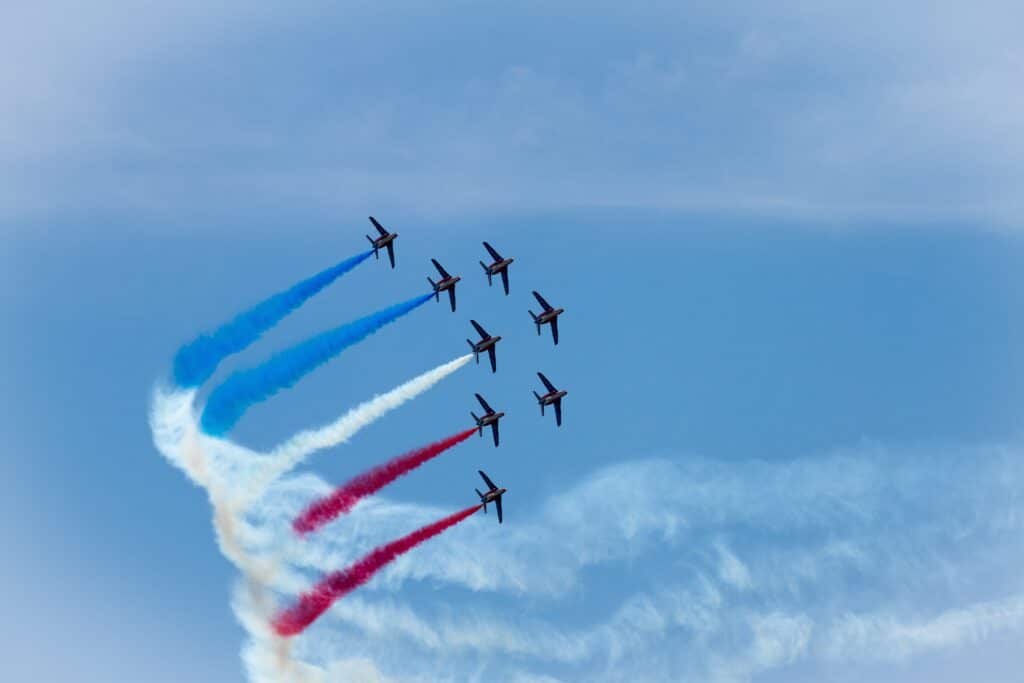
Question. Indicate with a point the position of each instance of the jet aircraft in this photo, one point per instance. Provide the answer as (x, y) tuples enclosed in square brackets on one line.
[(500, 265), (493, 494), (553, 397), (386, 239), (548, 316), (486, 343), (447, 281), (490, 418)]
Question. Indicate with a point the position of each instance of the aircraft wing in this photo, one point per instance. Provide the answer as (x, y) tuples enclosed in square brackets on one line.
[(497, 504), (440, 268), (554, 330), (549, 385), (380, 228), (391, 253), (492, 251), (504, 279), (451, 295), (482, 331), (558, 412), (494, 359), (487, 480), (542, 302), (494, 431), (483, 404)]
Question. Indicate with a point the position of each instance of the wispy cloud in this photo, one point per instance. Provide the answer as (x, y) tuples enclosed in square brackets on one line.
[(772, 565)]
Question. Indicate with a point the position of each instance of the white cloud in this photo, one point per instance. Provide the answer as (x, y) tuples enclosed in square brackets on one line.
[(828, 542), (888, 637)]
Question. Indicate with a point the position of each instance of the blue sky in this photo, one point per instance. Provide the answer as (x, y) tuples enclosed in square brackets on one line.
[(788, 246)]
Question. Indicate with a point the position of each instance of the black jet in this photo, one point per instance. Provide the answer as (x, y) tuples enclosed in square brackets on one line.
[(490, 418), (447, 281), (493, 494), (486, 343), (386, 239), (548, 316), (500, 265), (553, 397)]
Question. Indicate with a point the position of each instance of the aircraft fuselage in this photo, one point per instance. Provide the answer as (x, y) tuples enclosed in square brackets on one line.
[(548, 316), (384, 240), (490, 418), (485, 344), (492, 496), (499, 266), (446, 283), (552, 396)]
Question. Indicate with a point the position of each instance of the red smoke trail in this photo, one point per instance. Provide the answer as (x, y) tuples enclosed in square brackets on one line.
[(312, 604), (346, 496)]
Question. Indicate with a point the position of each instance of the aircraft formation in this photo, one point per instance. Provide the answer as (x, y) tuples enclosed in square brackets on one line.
[(487, 342)]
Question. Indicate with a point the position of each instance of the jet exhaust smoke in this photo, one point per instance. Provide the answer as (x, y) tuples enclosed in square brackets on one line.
[(346, 496), (195, 362), (295, 450), (315, 602), (229, 401)]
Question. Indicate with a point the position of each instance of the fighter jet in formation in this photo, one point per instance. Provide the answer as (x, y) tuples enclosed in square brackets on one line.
[(490, 418), (548, 316), (486, 343), (500, 265), (553, 397), (447, 281), (493, 494), (386, 239)]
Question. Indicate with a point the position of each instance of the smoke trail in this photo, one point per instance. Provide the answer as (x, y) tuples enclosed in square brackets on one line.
[(292, 452), (196, 361), (230, 400), (312, 604), (346, 496)]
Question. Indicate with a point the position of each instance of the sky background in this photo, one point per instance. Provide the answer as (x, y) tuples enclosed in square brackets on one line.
[(788, 243)]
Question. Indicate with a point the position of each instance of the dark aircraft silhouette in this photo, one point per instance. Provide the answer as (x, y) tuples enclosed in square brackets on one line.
[(486, 343), (386, 239), (493, 494), (548, 316), (447, 281), (553, 397), (490, 418), (500, 265)]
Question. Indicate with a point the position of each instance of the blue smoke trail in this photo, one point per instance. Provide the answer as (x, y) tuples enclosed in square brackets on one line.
[(229, 401), (196, 362)]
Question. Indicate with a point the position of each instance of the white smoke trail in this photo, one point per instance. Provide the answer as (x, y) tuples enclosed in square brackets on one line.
[(292, 452), (223, 469)]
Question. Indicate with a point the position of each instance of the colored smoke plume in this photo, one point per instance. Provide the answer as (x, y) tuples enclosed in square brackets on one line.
[(229, 401), (195, 362), (295, 450), (346, 496), (312, 604)]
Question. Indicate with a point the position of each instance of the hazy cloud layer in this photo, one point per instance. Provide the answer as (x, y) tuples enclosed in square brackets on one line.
[(826, 111)]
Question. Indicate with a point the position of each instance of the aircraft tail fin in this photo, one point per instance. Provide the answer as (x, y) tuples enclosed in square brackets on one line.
[(475, 352), (376, 252), (437, 292), (488, 271), (540, 401), (535, 322)]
